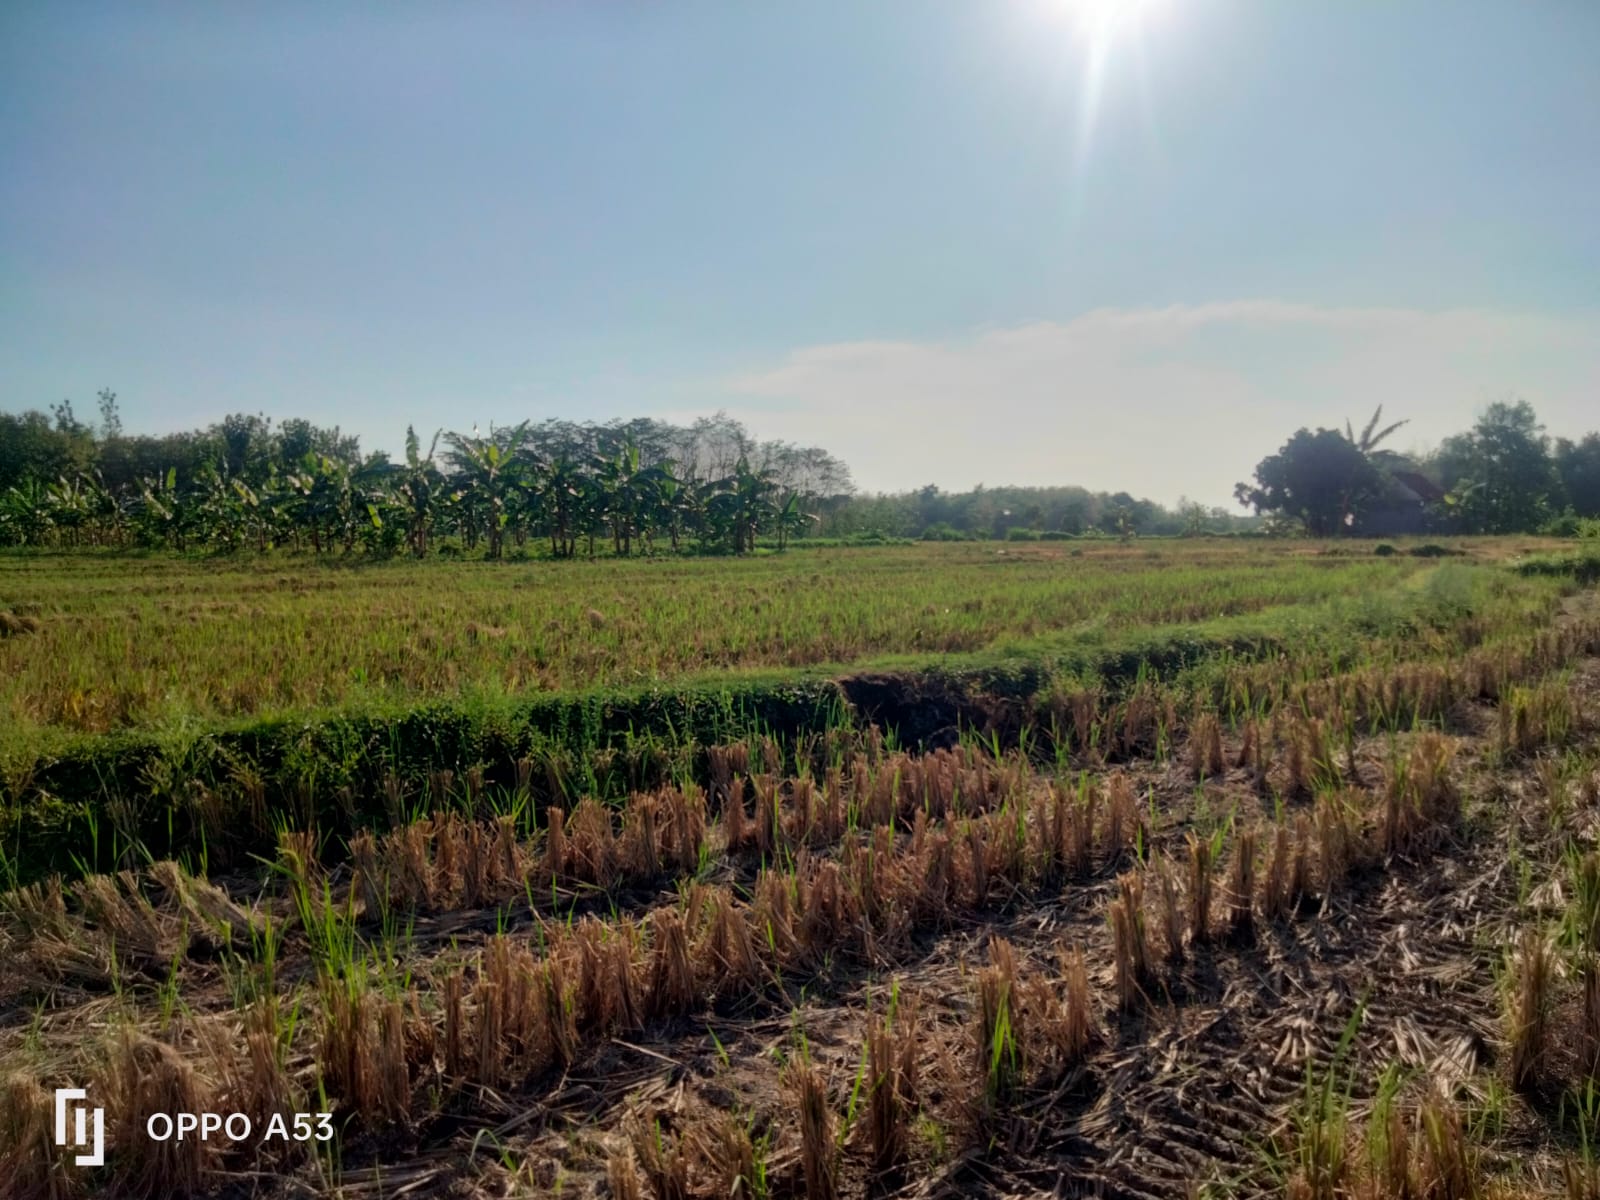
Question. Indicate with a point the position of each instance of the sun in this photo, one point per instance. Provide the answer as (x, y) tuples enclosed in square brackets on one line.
[(1100, 31), (1101, 21)]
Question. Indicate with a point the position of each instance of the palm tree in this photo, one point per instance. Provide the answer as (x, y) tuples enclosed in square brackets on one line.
[(1368, 443), (1371, 436)]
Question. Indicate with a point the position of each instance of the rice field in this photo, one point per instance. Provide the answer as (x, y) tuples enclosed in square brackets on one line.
[(107, 644), (1315, 923)]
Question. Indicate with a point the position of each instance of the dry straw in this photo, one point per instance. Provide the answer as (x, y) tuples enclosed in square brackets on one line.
[(146, 1077), (1129, 943), (671, 989), (1169, 901), (892, 1075), (819, 1150), (1205, 747), (1529, 1009)]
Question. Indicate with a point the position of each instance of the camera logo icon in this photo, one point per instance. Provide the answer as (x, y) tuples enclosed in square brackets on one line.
[(82, 1119)]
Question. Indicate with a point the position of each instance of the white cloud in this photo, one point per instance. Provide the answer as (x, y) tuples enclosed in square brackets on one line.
[(1162, 401)]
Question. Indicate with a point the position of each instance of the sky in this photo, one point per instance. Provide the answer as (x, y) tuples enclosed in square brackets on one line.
[(998, 241)]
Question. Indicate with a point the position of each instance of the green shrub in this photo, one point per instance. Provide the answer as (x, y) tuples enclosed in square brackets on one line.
[(1570, 525), (1581, 568)]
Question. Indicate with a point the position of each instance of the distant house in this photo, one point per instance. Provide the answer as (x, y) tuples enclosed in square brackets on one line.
[(1402, 506)]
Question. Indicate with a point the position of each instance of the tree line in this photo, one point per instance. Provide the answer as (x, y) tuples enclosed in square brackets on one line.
[(578, 488), (245, 483), (1024, 514), (1503, 475), (642, 486)]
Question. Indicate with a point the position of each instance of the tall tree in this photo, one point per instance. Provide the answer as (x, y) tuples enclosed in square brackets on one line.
[(1578, 465), (1321, 479), (1499, 474)]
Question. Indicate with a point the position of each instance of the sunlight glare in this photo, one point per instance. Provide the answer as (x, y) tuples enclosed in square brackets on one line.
[(1104, 20), (1100, 29)]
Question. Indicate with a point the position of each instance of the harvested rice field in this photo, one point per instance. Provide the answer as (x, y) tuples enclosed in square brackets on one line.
[(1312, 916), (108, 644)]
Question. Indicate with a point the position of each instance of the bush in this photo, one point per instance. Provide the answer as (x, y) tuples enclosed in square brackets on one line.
[(1022, 535), (1570, 525), (1584, 568), (869, 538), (1384, 550), (943, 532)]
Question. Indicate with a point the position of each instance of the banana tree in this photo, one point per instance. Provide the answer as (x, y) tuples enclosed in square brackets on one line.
[(622, 493), (110, 511), (26, 515), (85, 510), (487, 472), (70, 508), (742, 504), (790, 519), (158, 514), (672, 503), (421, 491), (223, 507), (320, 501), (561, 502)]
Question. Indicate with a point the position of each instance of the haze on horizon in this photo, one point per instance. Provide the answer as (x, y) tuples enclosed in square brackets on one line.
[(1007, 242)]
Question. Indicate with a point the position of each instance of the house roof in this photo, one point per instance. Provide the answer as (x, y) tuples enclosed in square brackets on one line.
[(1420, 487)]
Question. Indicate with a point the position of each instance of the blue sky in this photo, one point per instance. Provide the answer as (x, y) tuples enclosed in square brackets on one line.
[(911, 232)]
